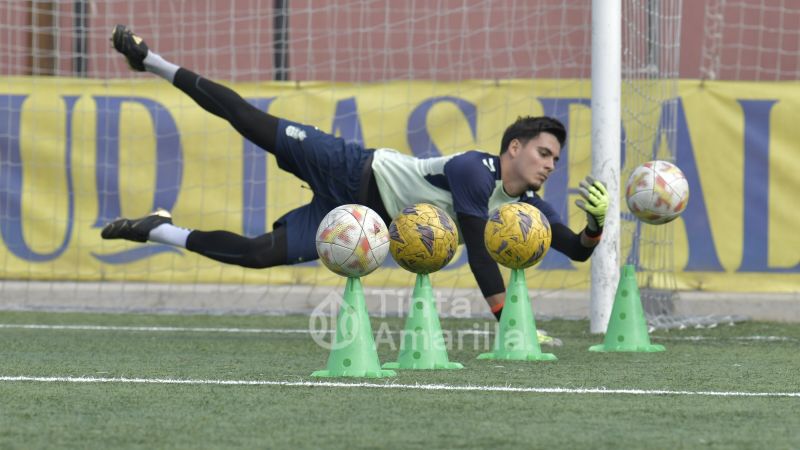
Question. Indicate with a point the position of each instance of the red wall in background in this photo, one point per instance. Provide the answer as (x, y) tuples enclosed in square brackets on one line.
[(369, 40)]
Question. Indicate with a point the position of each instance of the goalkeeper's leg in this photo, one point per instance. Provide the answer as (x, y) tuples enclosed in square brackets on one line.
[(255, 125), (292, 240), (267, 250)]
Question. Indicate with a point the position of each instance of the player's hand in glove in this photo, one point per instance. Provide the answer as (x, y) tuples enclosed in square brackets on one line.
[(594, 201)]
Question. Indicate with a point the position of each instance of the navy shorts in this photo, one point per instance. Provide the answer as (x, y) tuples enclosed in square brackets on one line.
[(331, 167)]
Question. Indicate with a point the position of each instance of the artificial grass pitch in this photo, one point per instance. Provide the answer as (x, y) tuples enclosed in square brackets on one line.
[(746, 358)]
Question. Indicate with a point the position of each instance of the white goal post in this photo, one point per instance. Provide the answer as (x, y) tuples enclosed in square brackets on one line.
[(606, 120)]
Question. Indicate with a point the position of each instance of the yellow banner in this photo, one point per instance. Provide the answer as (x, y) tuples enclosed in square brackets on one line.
[(78, 153)]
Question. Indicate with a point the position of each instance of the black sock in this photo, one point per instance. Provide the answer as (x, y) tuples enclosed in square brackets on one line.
[(267, 250)]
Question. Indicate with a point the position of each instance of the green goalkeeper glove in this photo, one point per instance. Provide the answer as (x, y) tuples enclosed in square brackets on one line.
[(596, 202)]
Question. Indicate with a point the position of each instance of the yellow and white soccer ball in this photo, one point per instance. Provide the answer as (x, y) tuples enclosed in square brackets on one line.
[(657, 192), (517, 235), (352, 240), (423, 238)]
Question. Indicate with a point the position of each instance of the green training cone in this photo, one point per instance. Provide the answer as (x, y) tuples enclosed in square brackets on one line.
[(517, 338), (353, 353), (423, 345), (627, 326)]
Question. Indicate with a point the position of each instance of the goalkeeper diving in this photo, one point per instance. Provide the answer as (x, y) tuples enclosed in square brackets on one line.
[(467, 185)]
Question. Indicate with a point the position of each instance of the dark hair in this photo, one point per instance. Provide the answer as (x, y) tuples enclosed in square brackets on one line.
[(527, 128)]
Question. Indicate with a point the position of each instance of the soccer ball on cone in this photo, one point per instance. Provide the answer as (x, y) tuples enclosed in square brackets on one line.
[(352, 240), (517, 235), (657, 192), (423, 238)]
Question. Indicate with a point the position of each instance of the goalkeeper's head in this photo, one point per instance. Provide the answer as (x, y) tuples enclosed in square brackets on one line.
[(530, 150), (526, 128)]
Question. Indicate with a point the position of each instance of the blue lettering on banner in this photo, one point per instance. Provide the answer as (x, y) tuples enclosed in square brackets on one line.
[(419, 139), (169, 167), (254, 181), (755, 235), (11, 179), (702, 250), (169, 161)]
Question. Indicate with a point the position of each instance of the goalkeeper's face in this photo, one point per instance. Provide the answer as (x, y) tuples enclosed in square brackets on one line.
[(533, 161)]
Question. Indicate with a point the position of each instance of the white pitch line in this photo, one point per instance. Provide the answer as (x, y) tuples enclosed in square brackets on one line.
[(422, 387), (159, 329), (189, 329), (734, 338), (322, 331)]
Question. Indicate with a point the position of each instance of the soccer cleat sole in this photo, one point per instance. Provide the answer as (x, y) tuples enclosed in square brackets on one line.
[(129, 45)]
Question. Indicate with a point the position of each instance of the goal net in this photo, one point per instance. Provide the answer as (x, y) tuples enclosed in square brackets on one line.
[(85, 140), (650, 71)]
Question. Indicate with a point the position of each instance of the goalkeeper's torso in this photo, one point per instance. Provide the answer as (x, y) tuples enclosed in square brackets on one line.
[(467, 183)]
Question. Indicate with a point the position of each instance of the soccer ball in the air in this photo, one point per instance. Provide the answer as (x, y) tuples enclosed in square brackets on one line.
[(423, 238), (657, 192), (517, 235), (352, 240)]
